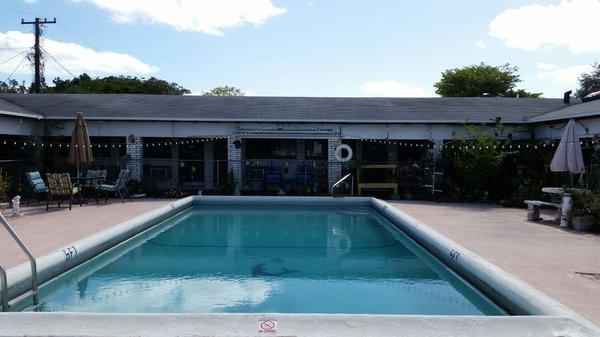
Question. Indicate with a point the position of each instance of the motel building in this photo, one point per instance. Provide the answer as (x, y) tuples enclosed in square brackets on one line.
[(299, 145)]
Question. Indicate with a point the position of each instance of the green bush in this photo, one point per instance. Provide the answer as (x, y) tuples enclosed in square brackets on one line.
[(4, 184), (471, 162), (586, 203)]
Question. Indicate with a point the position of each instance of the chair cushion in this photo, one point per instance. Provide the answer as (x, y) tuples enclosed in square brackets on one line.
[(106, 187), (59, 184)]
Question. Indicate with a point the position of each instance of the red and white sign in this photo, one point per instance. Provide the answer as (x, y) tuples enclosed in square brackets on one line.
[(267, 326)]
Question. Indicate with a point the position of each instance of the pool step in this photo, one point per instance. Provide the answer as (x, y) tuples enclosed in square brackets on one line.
[(23, 297)]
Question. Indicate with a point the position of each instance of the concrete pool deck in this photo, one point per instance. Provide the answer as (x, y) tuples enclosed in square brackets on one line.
[(544, 256)]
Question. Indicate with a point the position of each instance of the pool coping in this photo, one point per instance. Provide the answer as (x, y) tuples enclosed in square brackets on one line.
[(512, 294)]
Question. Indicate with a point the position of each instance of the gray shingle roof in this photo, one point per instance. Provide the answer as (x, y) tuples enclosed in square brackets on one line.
[(284, 109), (9, 109), (581, 110)]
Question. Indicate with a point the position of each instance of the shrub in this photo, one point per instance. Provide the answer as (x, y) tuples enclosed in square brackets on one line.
[(471, 161), (4, 184), (586, 203)]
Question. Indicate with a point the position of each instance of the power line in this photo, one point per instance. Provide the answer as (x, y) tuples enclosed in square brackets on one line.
[(55, 60), (21, 53), (67, 29), (15, 70)]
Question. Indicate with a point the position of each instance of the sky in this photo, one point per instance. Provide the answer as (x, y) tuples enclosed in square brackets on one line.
[(375, 48)]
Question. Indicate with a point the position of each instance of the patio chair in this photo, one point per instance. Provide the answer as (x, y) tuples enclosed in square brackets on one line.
[(305, 174), (60, 188), (99, 178), (117, 187), (273, 174), (37, 184)]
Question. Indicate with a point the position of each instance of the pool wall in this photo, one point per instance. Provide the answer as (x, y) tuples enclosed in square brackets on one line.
[(513, 295), (63, 259)]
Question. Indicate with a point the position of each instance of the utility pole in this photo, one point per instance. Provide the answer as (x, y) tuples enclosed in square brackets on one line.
[(37, 52)]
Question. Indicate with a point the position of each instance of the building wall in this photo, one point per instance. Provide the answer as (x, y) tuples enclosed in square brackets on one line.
[(10, 125), (555, 130)]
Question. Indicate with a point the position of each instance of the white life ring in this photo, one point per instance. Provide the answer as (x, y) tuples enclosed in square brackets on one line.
[(338, 153)]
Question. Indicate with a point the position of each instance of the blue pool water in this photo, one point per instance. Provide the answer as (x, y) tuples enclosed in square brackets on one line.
[(275, 259)]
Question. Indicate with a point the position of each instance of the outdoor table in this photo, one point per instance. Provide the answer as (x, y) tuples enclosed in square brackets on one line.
[(565, 209), (82, 183)]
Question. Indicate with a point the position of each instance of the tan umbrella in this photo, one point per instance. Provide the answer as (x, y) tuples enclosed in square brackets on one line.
[(80, 151)]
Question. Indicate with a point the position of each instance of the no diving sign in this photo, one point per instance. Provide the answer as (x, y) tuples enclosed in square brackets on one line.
[(267, 326)]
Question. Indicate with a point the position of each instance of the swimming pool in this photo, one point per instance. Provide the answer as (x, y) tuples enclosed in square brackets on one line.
[(259, 258), (306, 266)]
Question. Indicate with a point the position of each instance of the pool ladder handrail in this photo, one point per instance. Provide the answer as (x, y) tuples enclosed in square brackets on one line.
[(337, 183), (3, 278)]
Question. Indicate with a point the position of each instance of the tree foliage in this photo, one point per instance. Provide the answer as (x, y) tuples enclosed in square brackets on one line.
[(84, 84), (224, 90), (471, 161), (589, 82), (12, 87), (477, 80)]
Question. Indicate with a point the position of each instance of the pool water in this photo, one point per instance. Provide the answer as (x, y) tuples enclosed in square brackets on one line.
[(219, 258)]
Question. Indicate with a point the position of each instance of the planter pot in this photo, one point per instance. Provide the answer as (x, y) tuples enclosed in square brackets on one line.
[(581, 223)]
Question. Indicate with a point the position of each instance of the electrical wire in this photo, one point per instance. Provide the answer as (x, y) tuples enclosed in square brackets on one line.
[(13, 72), (55, 60), (67, 29), (21, 53)]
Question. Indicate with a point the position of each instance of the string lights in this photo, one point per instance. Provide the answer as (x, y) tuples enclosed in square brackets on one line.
[(504, 145)]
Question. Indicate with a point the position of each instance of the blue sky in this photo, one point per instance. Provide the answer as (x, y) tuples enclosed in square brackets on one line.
[(307, 47)]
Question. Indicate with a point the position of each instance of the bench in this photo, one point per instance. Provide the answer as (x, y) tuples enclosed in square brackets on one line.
[(533, 208)]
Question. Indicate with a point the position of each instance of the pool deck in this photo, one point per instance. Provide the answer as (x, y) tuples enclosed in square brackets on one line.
[(542, 254), (545, 256)]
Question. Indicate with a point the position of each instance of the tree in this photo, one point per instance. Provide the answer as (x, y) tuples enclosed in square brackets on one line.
[(477, 80), (589, 82), (84, 84), (12, 87), (224, 91)]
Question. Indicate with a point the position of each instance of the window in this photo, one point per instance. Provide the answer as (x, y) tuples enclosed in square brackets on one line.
[(152, 172), (157, 147), (270, 148), (108, 147), (191, 151), (316, 149)]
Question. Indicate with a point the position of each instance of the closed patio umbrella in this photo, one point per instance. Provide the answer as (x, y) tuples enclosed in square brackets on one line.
[(80, 151), (568, 156)]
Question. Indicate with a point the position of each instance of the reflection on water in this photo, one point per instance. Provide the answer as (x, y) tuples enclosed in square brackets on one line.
[(277, 259)]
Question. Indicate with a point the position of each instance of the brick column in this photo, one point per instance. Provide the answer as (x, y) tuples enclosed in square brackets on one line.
[(133, 148), (334, 167), (234, 162), (209, 161)]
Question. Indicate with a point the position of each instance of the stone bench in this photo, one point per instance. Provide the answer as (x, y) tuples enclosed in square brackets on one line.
[(533, 208)]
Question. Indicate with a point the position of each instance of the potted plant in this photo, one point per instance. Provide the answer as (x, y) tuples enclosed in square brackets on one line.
[(585, 207)]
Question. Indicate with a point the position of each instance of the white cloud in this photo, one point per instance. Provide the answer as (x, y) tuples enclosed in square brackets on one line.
[(204, 16), (563, 75), (30, 1), (391, 88), (480, 44), (572, 24), (74, 57)]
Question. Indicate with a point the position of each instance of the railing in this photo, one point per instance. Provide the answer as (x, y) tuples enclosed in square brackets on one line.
[(32, 262), (339, 182)]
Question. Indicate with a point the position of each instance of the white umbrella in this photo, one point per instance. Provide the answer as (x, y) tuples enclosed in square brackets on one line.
[(568, 156)]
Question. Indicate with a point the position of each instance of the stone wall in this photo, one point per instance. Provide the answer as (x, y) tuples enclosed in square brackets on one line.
[(133, 148), (334, 171)]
